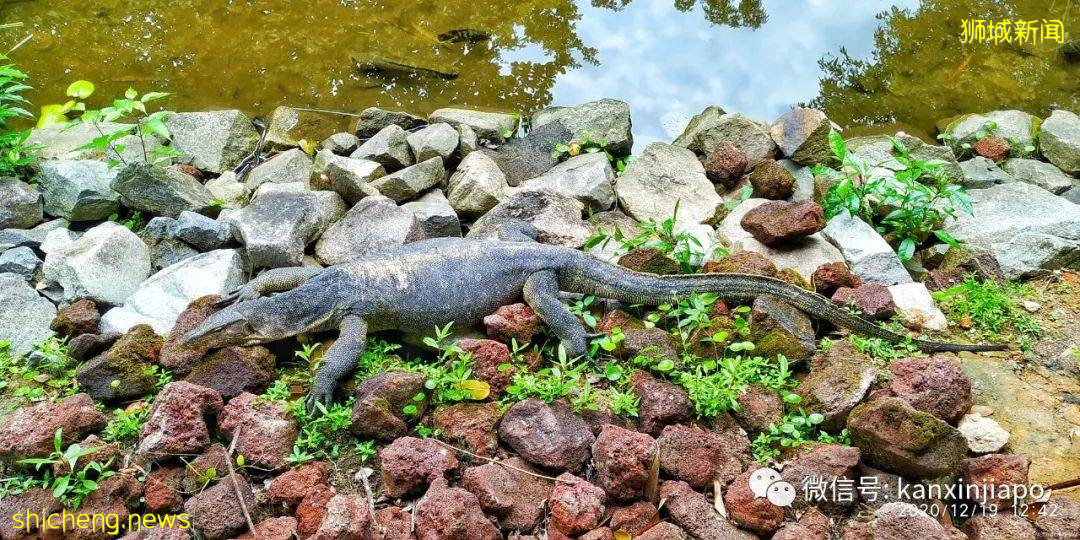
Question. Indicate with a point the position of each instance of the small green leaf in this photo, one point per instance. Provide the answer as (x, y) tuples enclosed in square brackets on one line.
[(80, 89), (131, 93)]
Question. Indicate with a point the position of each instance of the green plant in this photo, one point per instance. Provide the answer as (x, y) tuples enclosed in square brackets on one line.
[(14, 151), (907, 207), (587, 143), (126, 425), (989, 308), (18, 484), (449, 379), (130, 107), (322, 436), (685, 248), (555, 381), (47, 372), (73, 487), (365, 449), (714, 386), (134, 222), (796, 429)]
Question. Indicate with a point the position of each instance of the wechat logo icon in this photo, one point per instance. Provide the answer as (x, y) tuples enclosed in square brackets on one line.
[(766, 482)]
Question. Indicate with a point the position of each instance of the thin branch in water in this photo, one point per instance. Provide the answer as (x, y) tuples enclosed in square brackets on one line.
[(20, 43)]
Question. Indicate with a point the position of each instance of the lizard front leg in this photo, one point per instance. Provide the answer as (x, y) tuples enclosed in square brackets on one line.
[(541, 292), (275, 280), (338, 361)]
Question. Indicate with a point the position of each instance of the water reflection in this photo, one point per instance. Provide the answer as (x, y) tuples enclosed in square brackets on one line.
[(667, 58)]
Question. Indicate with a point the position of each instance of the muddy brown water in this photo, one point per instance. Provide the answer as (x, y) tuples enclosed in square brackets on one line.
[(899, 65)]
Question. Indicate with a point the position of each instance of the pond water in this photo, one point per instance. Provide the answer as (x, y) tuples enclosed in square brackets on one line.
[(895, 64)]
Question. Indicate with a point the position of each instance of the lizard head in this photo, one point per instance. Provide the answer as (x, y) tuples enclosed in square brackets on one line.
[(230, 326)]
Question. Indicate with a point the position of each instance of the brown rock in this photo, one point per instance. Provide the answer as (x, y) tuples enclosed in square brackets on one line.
[(897, 438), (649, 260), (347, 517), (649, 342), (235, 370), (123, 371), (1000, 526), (636, 518), (379, 411), (395, 523), (163, 490), (994, 148), (514, 322), (823, 462), (603, 533), (758, 408), (547, 434), (175, 357), (471, 425), (697, 457), (900, 521), (663, 531), (488, 355), (81, 317), (742, 262), (291, 487), (106, 454), (660, 403), (839, 379), (576, 505), (1060, 520), (771, 180), (447, 513), (831, 276), (266, 431), (177, 421), (216, 512), (935, 385), (622, 459), (86, 346), (515, 497), (757, 514), (696, 515), (872, 300), (998, 474), (776, 222), (279, 528), (32, 501), (410, 464), (28, 431), (312, 509), (725, 165)]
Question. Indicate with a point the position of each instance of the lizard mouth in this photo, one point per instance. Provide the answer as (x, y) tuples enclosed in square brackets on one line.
[(222, 329)]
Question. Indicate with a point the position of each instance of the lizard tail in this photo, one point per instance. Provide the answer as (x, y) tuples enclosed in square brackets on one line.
[(588, 275)]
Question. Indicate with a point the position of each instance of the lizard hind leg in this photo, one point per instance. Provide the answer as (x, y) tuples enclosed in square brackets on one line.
[(270, 281), (541, 292), (338, 362)]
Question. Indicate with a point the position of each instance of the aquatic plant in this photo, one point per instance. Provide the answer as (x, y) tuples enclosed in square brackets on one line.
[(14, 150)]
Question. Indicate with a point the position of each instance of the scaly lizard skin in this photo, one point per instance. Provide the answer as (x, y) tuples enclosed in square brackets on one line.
[(433, 282)]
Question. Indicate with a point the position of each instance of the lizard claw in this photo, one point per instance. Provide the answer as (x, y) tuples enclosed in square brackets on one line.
[(318, 400), (243, 294)]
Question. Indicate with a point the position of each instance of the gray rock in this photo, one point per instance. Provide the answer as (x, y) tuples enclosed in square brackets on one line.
[(10, 238), (288, 126), (530, 156), (916, 308), (389, 148), (1072, 194), (1059, 140), (373, 119), (60, 142), (56, 239), (162, 191), (468, 140), (1017, 126), (341, 144), (867, 254), (476, 186), (838, 380), (374, 224), (1024, 227), (492, 126), (1038, 173), (802, 134), (203, 233), (165, 248), (350, 178), (981, 173), (288, 167), (214, 141), (804, 181), (712, 126), (282, 220), (227, 189), (20, 204), (21, 260), (607, 119), (983, 435), (105, 265), (804, 255), (437, 140), (588, 178), (410, 182), (78, 190), (556, 218), (158, 301), (662, 176), (24, 315), (437, 218), (878, 151)]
